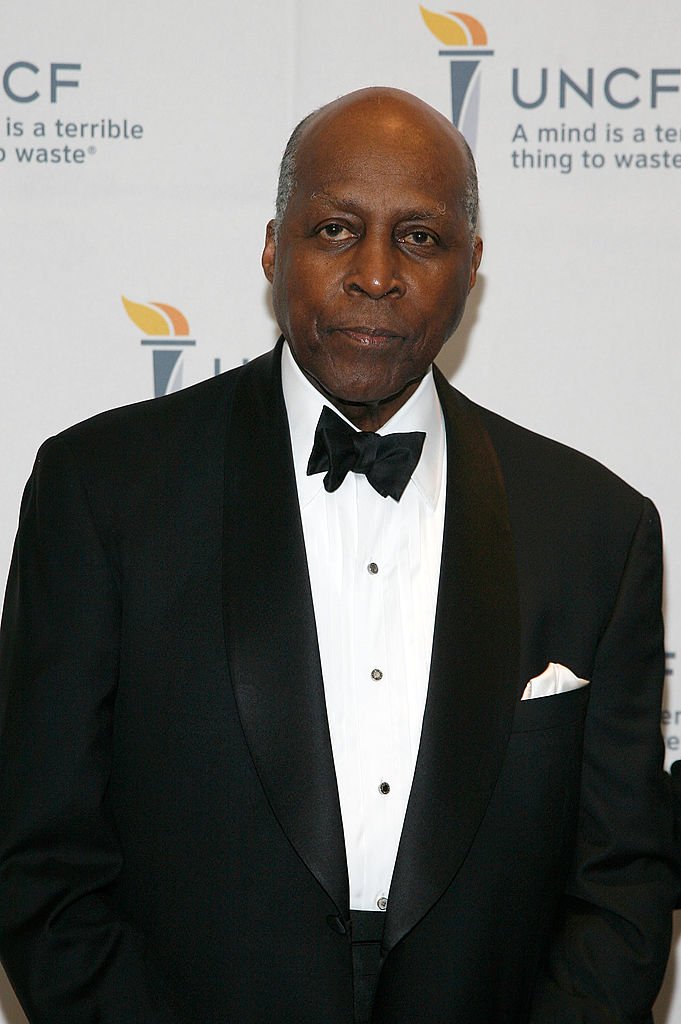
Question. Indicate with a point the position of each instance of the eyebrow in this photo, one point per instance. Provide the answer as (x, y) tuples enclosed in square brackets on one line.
[(348, 203)]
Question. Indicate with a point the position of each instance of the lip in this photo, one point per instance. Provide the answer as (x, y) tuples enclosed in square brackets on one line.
[(366, 335)]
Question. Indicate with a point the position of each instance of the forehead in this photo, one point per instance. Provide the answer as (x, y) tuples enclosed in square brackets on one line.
[(380, 155)]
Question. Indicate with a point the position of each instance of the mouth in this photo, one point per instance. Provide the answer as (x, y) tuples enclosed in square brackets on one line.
[(365, 335)]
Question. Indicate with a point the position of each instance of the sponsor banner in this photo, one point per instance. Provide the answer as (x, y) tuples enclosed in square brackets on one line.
[(138, 157)]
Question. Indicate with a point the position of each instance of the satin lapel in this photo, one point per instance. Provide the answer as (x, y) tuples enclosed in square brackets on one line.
[(473, 679), (270, 628)]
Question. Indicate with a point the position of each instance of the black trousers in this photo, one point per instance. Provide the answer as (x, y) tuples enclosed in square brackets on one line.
[(367, 932)]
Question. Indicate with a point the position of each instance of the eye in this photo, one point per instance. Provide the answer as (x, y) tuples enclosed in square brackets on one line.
[(419, 238), (335, 232)]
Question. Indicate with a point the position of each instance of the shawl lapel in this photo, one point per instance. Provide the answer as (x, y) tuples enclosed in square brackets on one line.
[(472, 688), (270, 628)]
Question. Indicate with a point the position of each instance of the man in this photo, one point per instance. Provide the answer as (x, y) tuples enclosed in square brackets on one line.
[(288, 734)]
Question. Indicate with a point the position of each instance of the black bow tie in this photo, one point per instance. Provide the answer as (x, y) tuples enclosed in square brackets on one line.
[(387, 462)]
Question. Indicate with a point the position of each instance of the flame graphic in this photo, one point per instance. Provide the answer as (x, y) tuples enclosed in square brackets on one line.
[(455, 28), (157, 318)]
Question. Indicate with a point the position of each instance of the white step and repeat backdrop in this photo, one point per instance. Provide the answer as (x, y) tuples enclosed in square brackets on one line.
[(139, 144)]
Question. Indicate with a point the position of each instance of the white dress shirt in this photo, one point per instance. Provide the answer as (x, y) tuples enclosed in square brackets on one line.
[(374, 567)]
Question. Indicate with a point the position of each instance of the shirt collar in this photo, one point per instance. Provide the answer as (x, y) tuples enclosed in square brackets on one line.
[(421, 412)]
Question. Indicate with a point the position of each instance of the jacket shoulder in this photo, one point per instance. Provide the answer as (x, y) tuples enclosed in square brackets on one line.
[(546, 463), (156, 420), (554, 487), (135, 456)]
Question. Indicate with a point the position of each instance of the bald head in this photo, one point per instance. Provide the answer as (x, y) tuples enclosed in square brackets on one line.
[(366, 111)]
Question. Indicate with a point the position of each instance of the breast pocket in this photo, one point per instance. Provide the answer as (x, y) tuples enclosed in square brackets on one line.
[(551, 712)]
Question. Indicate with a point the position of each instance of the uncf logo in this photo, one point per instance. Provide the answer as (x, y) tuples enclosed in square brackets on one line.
[(167, 332), (466, 40)]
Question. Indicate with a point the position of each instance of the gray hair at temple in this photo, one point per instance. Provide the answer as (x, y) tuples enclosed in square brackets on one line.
[(287, 180)]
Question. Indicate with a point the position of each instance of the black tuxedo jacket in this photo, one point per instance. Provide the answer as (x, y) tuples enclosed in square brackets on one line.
[(171, 844)]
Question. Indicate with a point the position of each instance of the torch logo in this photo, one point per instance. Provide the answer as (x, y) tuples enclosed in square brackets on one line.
[(466, 40), (167, 332)]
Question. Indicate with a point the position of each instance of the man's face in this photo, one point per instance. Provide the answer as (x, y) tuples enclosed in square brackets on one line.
[(374, 258)]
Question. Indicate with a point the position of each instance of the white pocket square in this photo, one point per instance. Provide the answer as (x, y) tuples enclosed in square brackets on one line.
[(554, 679)]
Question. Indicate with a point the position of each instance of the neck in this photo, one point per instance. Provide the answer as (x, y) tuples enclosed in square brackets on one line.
[(369, 416)]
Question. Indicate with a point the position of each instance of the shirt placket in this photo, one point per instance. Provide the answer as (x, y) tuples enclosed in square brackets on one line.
[(373, 688)]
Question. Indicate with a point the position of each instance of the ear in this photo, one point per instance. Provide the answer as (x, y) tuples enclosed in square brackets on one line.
[(269, 252), (475, 261)]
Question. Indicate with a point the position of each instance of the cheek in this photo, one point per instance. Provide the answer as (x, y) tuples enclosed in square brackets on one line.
[(298, 292), (448, 301)]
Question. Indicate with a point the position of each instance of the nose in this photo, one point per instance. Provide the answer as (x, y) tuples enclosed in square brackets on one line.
[(373, 269)]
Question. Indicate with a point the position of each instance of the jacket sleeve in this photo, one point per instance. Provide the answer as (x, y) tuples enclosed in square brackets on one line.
[(68, 955), (607, 961)]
